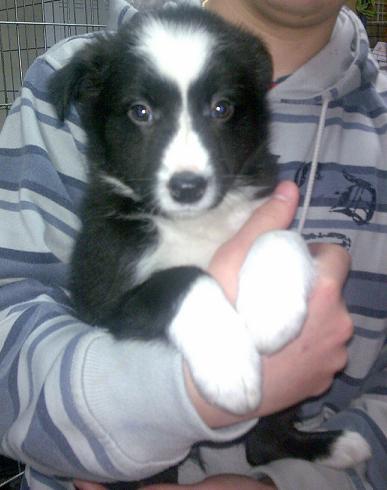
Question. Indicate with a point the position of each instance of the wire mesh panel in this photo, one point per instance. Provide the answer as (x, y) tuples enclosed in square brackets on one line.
[(29, 27), (377, 27)]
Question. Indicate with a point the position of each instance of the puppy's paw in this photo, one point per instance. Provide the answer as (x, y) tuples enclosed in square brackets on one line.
[(275, 282), (348, 450), (218, 348)]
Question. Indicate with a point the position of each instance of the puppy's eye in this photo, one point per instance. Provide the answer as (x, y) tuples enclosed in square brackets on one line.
[(222, 110), (141, 114)]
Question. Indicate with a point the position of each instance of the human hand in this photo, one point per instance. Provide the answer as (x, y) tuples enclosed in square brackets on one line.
[(221, 482), (277, 212), (88, 485), (306, 366)]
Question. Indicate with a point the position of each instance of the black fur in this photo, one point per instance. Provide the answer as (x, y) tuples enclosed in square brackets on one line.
[(103, 80), (275, 437)]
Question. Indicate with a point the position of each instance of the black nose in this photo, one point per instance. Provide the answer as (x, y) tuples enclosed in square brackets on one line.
[(187, 187)]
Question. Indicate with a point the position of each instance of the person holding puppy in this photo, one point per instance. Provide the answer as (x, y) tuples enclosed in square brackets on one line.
[(71, 396)]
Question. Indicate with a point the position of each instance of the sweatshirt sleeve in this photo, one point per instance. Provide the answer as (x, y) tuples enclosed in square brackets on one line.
[(74, 402)]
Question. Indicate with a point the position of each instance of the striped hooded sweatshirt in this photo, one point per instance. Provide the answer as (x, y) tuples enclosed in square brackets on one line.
[(76, 403)]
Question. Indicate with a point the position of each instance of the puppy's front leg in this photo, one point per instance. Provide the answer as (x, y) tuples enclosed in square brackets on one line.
[(274, 286), (185, 306), (218, 348)]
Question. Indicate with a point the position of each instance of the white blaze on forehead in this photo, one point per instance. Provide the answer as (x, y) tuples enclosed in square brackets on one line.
[(178, 53)]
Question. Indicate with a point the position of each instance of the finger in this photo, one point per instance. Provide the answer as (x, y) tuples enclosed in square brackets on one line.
[(333, 263), (85, 485), (276, 213)]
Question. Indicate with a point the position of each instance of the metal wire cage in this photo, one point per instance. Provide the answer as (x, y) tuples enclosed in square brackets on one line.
[(377, 26), (29, 27)]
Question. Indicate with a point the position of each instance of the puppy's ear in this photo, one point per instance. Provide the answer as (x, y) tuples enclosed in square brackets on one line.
[(81, 80)]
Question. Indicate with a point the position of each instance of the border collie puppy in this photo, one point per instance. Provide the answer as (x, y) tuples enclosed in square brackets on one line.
[(174, 108)]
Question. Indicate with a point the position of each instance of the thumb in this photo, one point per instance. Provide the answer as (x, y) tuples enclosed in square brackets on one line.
[(276, 213)]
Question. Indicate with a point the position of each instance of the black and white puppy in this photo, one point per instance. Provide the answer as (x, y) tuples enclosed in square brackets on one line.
[(175, 113)]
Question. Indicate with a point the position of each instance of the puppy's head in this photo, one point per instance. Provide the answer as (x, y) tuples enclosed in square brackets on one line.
[(174, 109)]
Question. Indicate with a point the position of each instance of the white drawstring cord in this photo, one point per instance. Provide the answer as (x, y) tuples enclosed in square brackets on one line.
[(5, 483), (314, 166)]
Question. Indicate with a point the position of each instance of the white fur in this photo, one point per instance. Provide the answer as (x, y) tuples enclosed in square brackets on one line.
[(218, 348), (177, 54), (274, 286), (119, 187), (195, 239), (350, 449)]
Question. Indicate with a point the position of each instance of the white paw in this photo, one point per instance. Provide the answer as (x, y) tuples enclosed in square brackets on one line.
[(218, 348), (349, 450), (275, 282)]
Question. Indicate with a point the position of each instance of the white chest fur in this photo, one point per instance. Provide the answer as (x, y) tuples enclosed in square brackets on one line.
[(194, 240)]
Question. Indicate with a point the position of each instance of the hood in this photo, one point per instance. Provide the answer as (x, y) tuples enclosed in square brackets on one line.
[(346, 63), (347, 66)]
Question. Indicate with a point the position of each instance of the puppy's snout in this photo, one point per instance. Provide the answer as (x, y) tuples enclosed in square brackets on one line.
[(187, 187)]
